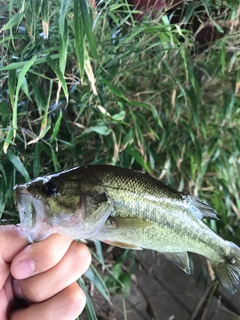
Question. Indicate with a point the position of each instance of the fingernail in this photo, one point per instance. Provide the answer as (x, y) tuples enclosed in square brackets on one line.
[(25, 269), (17, 290)]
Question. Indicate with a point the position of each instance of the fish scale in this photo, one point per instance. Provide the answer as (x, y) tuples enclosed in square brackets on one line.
[(129, 209)]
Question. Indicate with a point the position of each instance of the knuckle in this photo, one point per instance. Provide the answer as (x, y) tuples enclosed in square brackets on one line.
[(75, 301), (81, 254)]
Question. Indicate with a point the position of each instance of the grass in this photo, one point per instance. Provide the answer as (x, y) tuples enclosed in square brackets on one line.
[(84, 86)]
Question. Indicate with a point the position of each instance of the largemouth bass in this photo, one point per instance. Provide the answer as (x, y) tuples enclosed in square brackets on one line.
[(129, 209)]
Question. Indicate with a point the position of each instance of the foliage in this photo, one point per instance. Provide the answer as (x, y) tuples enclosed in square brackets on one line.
[(96, 86)]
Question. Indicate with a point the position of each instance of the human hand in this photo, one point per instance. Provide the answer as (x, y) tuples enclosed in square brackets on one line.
[(43, 274)]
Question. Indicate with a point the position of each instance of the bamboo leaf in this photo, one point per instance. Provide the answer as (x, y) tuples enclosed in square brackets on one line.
[(116, 91), (55, 160), (11, 85), (17, 163), (21, 77), (59, 74), (56, 127), (87, 25), (97, 280), (138, 158), (20, 65), (38, 94), (79, 36), (45, 126), (16, 19), (63, 52), (45, 18), (36, 160), (102, 130), (89, 307), (89, 72), (24, 87), (62, 17)]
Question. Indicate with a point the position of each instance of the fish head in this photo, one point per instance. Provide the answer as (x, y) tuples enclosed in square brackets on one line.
[(65, 203), (49, 204)]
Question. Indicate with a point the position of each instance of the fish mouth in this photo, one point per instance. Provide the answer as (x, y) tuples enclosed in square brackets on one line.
[(26, 209), (30, 208)]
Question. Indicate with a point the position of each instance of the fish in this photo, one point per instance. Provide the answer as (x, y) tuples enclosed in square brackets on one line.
[(126, 208)]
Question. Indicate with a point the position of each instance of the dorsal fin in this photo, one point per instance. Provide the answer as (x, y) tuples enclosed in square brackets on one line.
[(200, 209)]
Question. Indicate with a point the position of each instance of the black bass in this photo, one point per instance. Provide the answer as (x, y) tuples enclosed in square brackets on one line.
[(129, 209)]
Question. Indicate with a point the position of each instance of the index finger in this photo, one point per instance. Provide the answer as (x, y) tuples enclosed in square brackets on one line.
[(39, 257), (12, 242)]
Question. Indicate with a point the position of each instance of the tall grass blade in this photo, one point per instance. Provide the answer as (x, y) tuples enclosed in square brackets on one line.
[(89, 307)]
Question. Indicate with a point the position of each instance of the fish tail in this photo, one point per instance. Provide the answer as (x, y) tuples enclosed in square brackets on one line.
[(228, 270)]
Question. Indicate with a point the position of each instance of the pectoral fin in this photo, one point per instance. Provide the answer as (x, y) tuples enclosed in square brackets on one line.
[(128, 222), (180, 259), (122, 245)]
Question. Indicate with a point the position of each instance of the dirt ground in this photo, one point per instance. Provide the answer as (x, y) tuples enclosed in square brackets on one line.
[(162, 291)]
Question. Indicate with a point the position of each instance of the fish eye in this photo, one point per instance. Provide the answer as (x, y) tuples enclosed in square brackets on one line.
[(49, 189)]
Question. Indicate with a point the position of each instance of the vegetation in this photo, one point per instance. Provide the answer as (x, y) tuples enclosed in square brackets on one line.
[(84, 86)]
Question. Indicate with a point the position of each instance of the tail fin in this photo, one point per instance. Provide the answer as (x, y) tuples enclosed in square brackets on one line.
[(228, 271)]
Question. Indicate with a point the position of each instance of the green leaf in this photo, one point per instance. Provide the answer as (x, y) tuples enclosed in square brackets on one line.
[(63, 51), (79, 36), (138, 158), (45, 18), (17, 163), (63, 28), (11, 85), (89, 307), (56, 127), (3, 184), (223, 55), (24, 87), (36, 160), (98, 282), (87, 25), (98, 247), (8, 140), (21, 78), (16, 19), (59, 74), (38, 93), (102, 130), (20, 65), (116, 91), (62, 17), (55, 160)]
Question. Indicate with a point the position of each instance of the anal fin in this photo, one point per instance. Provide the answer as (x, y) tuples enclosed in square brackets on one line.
[(180, 259)]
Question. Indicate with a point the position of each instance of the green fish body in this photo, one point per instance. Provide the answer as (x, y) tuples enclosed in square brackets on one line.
[(129, 209)]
